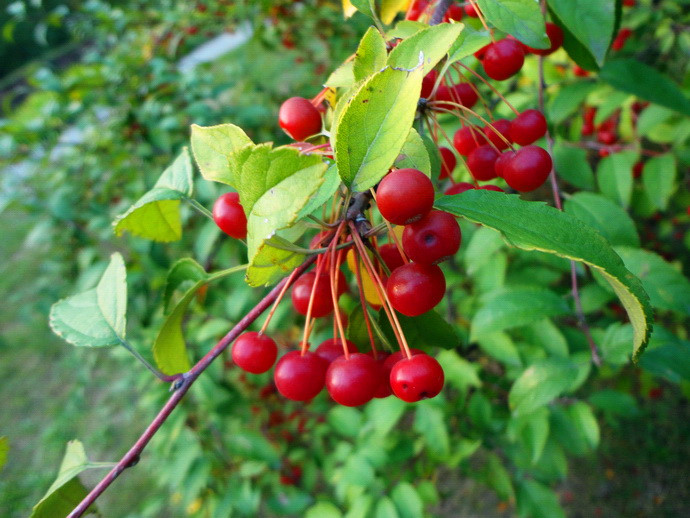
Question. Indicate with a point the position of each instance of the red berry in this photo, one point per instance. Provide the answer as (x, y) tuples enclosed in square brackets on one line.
[(637, 169), (448, 162), (503, 59), (432, 239), (301, 292), (589, 114), (491, 188), (300, 377), (502, 162), (299, 118), (607, 137), (461, 93), (528, 127), (416, 288), (459, 188), (470, 10), (579, 71), (332, 348), (384, 386), (621, 38), (416, 378), (587, 129), (391, 256), (629, 3), (481, 52), (468, 139), (555, 35), (229, 215), (481, 162), (353, 381), (428, 83), (528, 169), (497, 129), (454, 12), (254, 352), (396, 357), (405, 195), (417, 9)]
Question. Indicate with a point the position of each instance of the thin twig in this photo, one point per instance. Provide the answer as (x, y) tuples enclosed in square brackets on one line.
[(596, 357), (180, 388), (439, 12)]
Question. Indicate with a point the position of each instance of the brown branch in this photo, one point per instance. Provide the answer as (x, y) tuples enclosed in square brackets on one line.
[(180, 388), (439, 12), (582, 321)]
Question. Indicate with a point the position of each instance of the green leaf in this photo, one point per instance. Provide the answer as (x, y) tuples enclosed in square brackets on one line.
[(498, 478), (536, 226), (414, 154), (535, 500), (585, 423), (384, 414), (668, 288), (390, 8), (484, 243), (434, 157), (213, 146), (4, 450), (576, 50), (532, 430), (67, 491), (373, 126), (270, 264), (614, 402), (514, 307), (669, 356), (156, 214), (659, 180), (184, 270), (342, 77), (97, 317), (385, 509), (567, 100), (345, 420), (572, 166), (323, 510), (548, 336), (407, 501), (520, 18), (365, 6), (370, 56), (614, 223), (405, 28), (458, 371), (433, 42), (614, 176), (500, 347), (324, 193), (590, 22), (634, 77), (426, 331), (540, 384), (469, 42), (430, 422)]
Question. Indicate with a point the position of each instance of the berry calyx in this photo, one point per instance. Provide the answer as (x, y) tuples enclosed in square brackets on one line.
[(405, 195), (481, 162), (300, 377), (417, 378), (299, 118), (301, 292), (229, 215), (499, 134), (503, 59), (254, 352), (448, 162), (528, 127), (416, 288), (353, 381), (332, 348), (555, 34), (432, 239), (468, 139), (528, 168)]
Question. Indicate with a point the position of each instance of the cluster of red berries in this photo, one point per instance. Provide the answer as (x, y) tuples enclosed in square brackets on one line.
[(606, 132)]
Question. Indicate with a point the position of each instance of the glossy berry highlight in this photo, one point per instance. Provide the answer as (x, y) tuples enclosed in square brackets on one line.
[(405, 195), (299, 118)]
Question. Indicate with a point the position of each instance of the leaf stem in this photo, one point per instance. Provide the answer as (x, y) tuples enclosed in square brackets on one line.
[(200, 208), (145, 363)]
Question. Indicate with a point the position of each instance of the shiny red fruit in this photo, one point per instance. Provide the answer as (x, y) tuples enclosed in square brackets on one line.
[(416, 288), (481, 162), (502, 162), (428, 83), (448, 162), (384, 387), (417, 378), (499, 134), (353, 381), (555, 34), (298, 377), (471, 11), (391, 256), (299, 118), (468, 139), (418, 8), (449, 96), (229, 215), (528, 169), (503, 59), (332, 348), (459, 188), (579, 71), (491, 188), (432, 239), (405, 195), (301, 292), (528, 127), (607, 137), (254, 352), (454, 12)]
